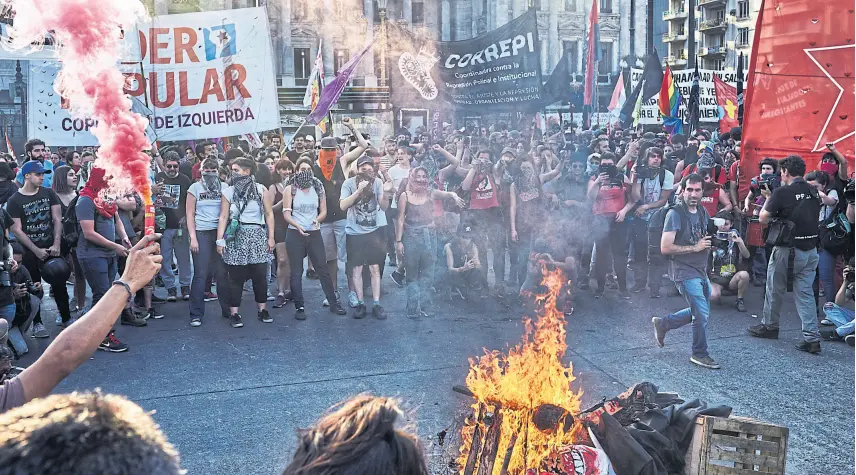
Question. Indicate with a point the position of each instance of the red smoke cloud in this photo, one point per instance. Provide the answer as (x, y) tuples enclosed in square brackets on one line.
[(89, 32)]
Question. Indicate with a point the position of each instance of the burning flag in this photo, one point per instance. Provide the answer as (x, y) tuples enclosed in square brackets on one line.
[(89, 40)]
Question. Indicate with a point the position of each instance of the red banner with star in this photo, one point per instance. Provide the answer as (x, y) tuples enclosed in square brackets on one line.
[(800, 89), (726, 101)]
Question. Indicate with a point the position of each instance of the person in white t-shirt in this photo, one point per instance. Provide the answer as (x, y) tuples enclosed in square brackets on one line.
[(397, 173)]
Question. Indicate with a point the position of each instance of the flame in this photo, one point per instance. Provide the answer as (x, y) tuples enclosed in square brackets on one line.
[(529, 375)]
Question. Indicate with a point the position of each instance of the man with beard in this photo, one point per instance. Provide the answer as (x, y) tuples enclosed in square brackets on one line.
[(35, 150), (297, 148), (172, 199), (652, 186), (330, 169), (363, 199), (686, 241)]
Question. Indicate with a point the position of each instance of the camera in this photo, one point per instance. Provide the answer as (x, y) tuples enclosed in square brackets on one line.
[(5, 278), (608, 168), (848, 191), (849, 275), (644, 172), (768, 181)]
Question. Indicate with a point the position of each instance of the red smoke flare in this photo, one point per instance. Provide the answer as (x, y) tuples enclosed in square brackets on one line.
[(89, 33)]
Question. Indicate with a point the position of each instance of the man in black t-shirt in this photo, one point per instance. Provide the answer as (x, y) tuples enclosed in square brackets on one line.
[(798, 202), (37, 225), (171, 198)]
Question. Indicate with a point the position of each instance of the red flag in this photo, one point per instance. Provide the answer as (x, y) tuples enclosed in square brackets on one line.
[(9, 147), (726, 99), (800, 90), (592, 55)]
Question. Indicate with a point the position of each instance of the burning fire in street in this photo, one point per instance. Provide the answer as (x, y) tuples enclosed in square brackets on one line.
[(524, 403)]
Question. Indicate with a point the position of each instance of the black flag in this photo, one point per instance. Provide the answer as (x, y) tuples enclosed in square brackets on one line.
[(652, 75), (740, 90), (626, 114), (693, 102), (558, 85)]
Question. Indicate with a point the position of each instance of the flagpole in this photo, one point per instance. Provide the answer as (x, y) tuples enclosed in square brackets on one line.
[(293, 136)]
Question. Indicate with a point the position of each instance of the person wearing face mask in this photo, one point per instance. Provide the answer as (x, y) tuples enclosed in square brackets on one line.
[(246, 211), (714, 199), (363, 198), (304, 207), (172, 199), (203, 213), (398, 173), (652, 186), (284, 170), (416, 238), (829, 205), (834, 164)]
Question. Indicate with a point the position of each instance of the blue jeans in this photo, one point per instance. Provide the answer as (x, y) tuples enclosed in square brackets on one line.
[(826, 272), (697, 294), (841, 317), (100, 272), (419, 245), (170, 243), (206, 263)]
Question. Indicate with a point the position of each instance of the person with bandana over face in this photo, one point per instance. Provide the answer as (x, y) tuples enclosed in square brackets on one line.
[(246, 210), (203, 213), (330, 169), (304, 207), (416, 238), (172, 199), (98, 249), (284, 170)]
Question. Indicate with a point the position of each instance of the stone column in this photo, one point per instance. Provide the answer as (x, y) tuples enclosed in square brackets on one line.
[(368, 62), (407, 11), (445, 20), (287, 50), (433, 22), (553, 35)]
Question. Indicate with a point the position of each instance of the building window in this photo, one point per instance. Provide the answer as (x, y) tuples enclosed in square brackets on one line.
[(605, 64), (302, 66), (300, 10), (573, 50), (375, 13), (570, 5), (743, 36), (718, 64), (742, 9), (606, 6), (340, 57), (418, 11)]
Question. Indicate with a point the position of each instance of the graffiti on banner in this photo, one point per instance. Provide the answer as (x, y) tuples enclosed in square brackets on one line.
[(199, 77), (708, 107)]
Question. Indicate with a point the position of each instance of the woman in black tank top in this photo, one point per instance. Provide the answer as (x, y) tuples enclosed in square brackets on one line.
[(416, 238), (284, 169)]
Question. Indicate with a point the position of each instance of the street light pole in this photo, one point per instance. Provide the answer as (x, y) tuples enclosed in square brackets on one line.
[(381, 6)]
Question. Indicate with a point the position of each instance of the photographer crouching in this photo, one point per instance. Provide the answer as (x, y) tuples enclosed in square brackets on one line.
[(791, 212), (17, 284)]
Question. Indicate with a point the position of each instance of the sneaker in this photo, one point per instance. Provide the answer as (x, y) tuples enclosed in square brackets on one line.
[(397, 277), (153, 313), (462, 293), (280, 301), (639, 287), (39, 331), (624, 294), (353, 301), (172, 295), (763, 331), (326, 303), (705, 362), (129, 318), (59, 320), (156, 299), (337, 309), (830, 334), (568, 308), (195, 322), (413, 314), (659, 331), (112, 344), (827, 322), (264, 316), (809, 346), (378, 312), (740, 305), (598, 293), (300, 313), (821, 292), (209, 297), (311, 274), (235, 320), (425, 314), (654, 294), (850, 339), (185, 293), (360, 311), (611, 282)]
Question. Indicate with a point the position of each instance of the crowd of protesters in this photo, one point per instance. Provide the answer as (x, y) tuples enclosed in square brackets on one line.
[(469, 214)]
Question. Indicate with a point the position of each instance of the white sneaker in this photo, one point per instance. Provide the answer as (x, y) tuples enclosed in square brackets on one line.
[(353, 301), (325, 303), (39, 331)]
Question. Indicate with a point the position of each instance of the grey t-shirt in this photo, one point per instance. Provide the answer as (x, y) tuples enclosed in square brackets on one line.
[(304, 208), (207, 206), (104, 226), (11, 394), (364, 216), (693, 265), (254, 212)]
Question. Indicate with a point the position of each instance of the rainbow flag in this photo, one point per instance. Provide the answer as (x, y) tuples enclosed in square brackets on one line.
[(670, 103)]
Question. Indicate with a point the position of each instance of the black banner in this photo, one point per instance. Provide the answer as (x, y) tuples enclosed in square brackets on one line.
[(498, 71)]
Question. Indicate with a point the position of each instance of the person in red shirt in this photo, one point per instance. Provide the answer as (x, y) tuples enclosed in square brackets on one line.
[(484, 212), (610, 197), (714, 198)]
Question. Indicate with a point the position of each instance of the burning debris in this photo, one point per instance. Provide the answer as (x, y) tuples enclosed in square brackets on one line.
[(524, 400)]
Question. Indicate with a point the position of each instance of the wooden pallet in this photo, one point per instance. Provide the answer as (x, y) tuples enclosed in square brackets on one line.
[(736, 446)]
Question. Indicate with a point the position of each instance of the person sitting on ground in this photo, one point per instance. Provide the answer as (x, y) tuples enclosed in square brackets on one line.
[(77, 342), (28, 297), (359, 437), (724, 260), (463, 263), (83, 433), (840, 313)]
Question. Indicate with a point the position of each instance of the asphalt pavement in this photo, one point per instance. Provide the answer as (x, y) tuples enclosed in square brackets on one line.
[(231, 399)]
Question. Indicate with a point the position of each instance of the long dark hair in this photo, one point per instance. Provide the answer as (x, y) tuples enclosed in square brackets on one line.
[(60, 182), (358, 438)]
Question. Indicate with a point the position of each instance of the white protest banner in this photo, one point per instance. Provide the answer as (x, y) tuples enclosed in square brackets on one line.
[(708, 109), (202, 75)]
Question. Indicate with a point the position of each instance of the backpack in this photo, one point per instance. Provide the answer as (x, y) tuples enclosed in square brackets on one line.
[(834, 232), (70, 224), (657, 221)]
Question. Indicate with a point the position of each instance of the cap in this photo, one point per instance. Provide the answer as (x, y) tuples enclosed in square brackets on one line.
[(364, 159), (33, 166), (509, 151), (329, 142)]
